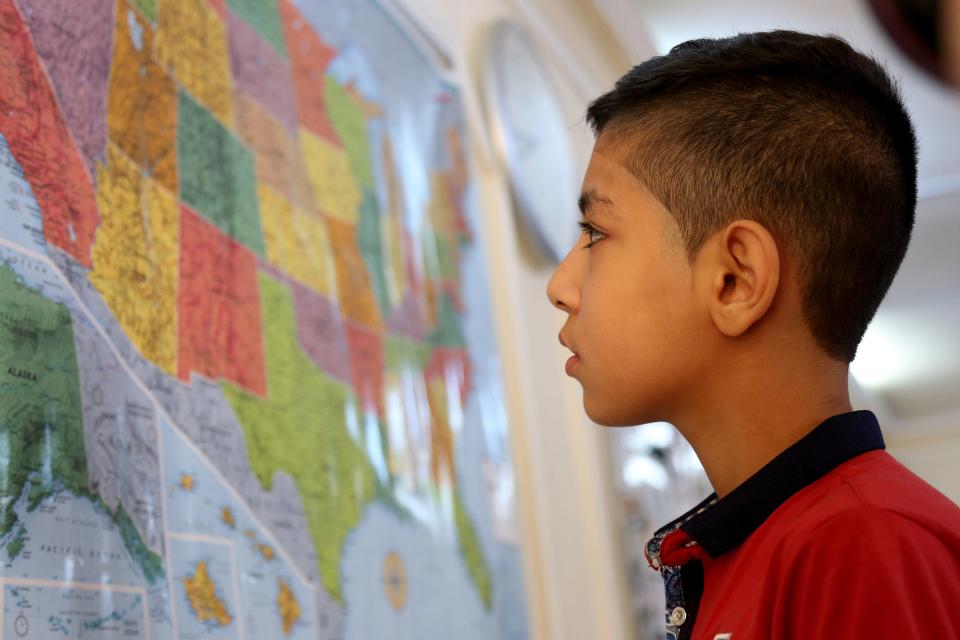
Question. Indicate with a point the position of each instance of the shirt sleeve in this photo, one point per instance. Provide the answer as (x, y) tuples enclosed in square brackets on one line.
[(870, 573)]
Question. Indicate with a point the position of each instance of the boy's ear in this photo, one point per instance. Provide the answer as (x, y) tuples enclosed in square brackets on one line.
[(742, 275)]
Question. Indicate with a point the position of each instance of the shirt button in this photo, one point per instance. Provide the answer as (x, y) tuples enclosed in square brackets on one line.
[(678, 616)]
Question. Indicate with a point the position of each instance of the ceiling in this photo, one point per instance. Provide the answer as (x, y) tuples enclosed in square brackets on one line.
[(908, 366)]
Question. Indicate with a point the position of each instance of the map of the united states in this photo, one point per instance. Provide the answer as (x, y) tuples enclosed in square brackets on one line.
[(242, 329)]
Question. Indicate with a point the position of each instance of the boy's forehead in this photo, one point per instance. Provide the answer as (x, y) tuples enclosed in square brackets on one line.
[(607, 173)]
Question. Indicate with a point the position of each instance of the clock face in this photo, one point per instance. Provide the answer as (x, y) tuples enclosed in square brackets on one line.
[(532, 136)]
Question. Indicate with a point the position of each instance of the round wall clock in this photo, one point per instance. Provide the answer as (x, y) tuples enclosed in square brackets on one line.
[(531, 137)]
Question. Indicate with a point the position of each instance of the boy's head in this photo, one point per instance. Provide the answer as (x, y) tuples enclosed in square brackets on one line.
[(746, 194)]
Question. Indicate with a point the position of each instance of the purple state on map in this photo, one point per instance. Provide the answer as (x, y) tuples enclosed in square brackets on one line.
[(406, 319), (321, 332), (74, 40), (261, 73)]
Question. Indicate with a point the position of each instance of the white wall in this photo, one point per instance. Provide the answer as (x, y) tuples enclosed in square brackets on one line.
[(572, 558), (930, 447)]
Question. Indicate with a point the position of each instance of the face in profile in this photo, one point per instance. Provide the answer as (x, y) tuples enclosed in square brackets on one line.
[(626, 287)]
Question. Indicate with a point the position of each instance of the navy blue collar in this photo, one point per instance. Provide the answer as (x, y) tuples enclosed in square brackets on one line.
[(720, 525)]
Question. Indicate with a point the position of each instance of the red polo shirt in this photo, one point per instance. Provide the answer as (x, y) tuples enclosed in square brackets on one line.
[(832, 539)]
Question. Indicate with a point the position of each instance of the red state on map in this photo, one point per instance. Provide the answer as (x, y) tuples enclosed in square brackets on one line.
[(309, 58), (221, 327), (31, 121), (447, 362), (366, 365), (220, 6)]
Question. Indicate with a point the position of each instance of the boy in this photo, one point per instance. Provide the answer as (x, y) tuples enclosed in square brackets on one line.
[(746, 207)]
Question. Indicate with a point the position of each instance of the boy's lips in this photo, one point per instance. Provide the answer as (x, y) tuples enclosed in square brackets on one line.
[(574, 359)]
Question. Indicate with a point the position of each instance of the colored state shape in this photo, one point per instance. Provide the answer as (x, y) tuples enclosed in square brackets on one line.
[(41, 423), (442, 465), (391, 233), (219, 306), (142, 100), (263, 16), (300, 429), (309, 59), (74, 41), (276, 152), (227, 517), (448, 330), (287, 605), (202, 596), (328, 168), (348, 112), (321, 332), (357, 301), (187, 482), (266, 551), (148, 7), (15, 546), (472, 552), (136, 257), (261, 73), (220, 6), (31, 121), (406, 354), (216, 174), (370, 243), (297, 242), (366, 364), (191, 42), (149, 562)]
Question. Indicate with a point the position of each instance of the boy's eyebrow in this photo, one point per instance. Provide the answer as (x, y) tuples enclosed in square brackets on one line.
[(591, 200)]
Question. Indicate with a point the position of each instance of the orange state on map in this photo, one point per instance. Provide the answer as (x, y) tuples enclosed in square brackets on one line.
[(354, 289), (142, 100), (309, 59), (276, 153), (221, 327), (445, 364), (31, 121), (442, 462)]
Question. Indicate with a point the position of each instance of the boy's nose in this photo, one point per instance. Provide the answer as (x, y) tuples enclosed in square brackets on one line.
[(563, 290)]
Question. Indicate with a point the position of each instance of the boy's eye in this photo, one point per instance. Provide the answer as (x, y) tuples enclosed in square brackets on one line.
[(591, 232)]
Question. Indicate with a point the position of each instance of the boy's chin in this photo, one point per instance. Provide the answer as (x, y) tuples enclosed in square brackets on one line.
[(612, 414)]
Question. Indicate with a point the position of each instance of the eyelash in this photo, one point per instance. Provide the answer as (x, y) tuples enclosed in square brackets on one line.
[(589, 229)]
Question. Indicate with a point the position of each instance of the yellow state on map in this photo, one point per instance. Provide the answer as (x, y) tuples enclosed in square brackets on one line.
[(297, 242), (202, 595), (288, 605), (391, 226), (226, 515), (328, 168), (136, 255), (191, 42)]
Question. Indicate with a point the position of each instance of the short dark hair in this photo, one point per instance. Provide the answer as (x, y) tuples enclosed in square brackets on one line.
[(798, 132)]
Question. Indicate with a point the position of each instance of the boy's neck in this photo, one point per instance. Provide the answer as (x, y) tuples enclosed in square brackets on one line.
[(745, 420)]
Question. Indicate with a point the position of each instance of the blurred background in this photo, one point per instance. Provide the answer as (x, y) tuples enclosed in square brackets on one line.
[(589, 497)]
